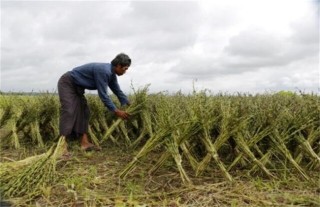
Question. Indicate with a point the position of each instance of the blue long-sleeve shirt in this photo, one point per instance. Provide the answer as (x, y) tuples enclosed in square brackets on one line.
[(98, 76)]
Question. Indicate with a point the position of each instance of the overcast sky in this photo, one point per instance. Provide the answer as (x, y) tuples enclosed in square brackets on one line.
[(228, 46)]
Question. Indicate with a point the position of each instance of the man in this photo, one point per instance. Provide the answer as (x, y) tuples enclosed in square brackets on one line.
[(74, 115)]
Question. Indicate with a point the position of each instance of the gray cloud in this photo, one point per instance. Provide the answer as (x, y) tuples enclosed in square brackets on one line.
[(254, 43), (164, 26), (171, 44), (256, 50)]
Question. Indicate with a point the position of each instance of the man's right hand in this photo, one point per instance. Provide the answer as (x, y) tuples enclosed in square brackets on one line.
[(121, 114)]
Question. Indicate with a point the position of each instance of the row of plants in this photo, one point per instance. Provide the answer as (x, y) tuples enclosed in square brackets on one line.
[(262, 135)]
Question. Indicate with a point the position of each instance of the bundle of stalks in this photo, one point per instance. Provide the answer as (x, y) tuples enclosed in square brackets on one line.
[(9, 129), (189, 155), (28, 176), (245, 146), (145, 128), (183, 132), (252, 135), (306, 147), (158, 138), (137, 106), (213, 144), (48, 116), (132, 110), (173, 148), (309, 141), (248, 153), (278, 140), (31, 118), (214, 153)]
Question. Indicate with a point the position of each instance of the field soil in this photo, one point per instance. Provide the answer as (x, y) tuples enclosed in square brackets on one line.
[(92, 179)]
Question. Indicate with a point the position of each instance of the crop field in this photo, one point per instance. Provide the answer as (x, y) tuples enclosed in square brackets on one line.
[(175, 150)]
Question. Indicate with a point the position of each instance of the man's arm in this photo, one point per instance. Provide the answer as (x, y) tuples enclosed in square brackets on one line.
[(101, 83), (114, 86)]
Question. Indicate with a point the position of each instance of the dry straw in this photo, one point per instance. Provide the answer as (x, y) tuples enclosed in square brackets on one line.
[(27, 177)]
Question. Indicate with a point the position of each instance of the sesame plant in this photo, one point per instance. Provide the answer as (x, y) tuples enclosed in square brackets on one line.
[(263, 136)]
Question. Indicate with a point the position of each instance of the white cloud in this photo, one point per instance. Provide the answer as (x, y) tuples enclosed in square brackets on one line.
[(250, 45)]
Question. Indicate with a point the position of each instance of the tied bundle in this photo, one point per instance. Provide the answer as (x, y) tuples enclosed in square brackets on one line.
[(27, 177), (139, 105)]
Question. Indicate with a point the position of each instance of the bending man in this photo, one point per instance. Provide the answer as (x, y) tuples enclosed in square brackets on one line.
[(74, 115)]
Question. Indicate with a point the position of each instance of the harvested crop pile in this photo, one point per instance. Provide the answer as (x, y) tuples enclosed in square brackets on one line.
[(28, 176)]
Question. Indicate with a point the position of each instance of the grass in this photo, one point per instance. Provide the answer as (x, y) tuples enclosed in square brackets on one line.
[(92, 179)]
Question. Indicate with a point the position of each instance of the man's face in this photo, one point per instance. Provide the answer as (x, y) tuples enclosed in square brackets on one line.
[(120, 70)]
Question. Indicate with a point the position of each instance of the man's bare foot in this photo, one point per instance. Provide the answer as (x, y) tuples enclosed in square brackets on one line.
[(86, 145), (90, 147)]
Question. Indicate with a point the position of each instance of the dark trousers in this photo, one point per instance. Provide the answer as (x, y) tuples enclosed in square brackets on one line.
[(74, 113)]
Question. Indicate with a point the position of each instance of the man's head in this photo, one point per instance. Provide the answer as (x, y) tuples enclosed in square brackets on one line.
[(121, 63)]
